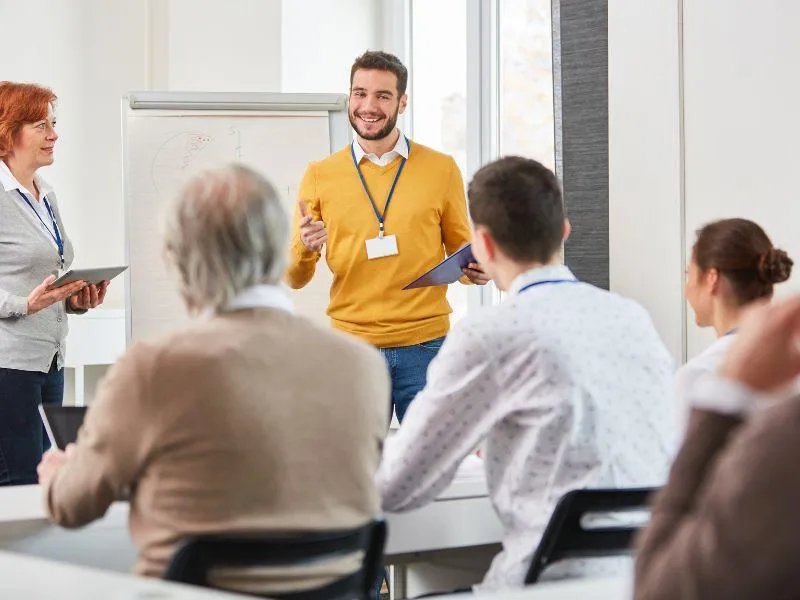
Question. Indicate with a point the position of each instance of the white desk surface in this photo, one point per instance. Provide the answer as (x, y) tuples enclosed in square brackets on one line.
[(461, 518), (583, 589), (39, 579)]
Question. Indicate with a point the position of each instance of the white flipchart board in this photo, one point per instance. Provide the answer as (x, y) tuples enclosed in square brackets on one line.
[(169, 136)]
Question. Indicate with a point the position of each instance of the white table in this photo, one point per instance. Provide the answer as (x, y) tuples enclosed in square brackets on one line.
[(461, 520), (462, 517), (584, 589), (95, 338), (39, 579)]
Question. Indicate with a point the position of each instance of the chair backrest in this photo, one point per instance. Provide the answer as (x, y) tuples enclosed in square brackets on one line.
[(568, 536), (197, 555)]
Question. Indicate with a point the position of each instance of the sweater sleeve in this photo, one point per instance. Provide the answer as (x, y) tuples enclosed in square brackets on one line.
[(12, 306), (455, 225), (446, 422), (113, 444), (725, 526), (302, 261)]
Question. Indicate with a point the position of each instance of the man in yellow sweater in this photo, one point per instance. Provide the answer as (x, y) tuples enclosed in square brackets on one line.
[(387, 210)]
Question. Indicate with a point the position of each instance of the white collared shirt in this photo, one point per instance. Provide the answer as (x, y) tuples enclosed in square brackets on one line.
[(707, 361), (570, 386), (9, 182), (262, 296), (257, 296), (698, 386), (400, 149)]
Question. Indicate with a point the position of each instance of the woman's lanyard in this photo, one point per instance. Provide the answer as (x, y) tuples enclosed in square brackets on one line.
[(381, 217), (731, 332), (55, 234), (545, 282)]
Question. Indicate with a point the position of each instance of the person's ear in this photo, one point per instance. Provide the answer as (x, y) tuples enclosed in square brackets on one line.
[(713, 281), (403, 103), (487, 247)]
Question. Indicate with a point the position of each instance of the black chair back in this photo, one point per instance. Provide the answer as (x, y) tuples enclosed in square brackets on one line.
[(566, 536), (197, 555)]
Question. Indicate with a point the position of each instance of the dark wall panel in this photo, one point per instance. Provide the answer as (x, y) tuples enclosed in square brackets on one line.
[(580, 61)]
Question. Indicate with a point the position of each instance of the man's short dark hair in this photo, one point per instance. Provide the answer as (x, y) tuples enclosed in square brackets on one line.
[(518, 200), (382, 61)]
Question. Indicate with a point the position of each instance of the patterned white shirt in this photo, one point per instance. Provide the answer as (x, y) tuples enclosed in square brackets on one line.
[(570, 386)]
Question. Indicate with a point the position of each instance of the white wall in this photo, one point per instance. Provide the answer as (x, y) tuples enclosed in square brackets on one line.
[(233, 45), (644, 160), (741, 102), (740, 130), (321, 39)]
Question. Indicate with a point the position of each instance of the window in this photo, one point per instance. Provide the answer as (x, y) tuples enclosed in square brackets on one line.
[(510, 81), (438, 91), (527, 124)]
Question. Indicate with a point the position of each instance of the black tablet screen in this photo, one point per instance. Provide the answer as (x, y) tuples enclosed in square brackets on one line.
[(63, 422)]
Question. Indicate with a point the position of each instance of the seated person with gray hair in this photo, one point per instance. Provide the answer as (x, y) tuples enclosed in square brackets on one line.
[(217, 426)]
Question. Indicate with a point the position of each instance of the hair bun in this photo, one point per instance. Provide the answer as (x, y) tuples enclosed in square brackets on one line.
[(774, 266)]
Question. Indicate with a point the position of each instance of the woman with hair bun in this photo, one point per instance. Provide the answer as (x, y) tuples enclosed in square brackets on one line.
[(733, 266)]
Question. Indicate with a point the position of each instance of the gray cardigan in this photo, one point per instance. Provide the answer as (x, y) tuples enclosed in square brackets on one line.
[(27, 255)]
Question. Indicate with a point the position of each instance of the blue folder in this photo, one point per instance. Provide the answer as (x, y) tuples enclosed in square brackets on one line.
[(446, 272)]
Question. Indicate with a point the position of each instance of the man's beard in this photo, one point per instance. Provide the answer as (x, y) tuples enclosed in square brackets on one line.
[(383, 132)]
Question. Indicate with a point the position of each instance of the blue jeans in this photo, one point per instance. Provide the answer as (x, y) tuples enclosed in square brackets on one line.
[(408, 369), (23, 439)]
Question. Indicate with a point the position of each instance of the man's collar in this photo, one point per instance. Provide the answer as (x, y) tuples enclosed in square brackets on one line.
[(261, 296), (401, 147), (540, 274)]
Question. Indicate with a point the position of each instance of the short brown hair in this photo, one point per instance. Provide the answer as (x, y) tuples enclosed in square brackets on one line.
[(519, 201), (744, 255), (382, 61), (20, 103)]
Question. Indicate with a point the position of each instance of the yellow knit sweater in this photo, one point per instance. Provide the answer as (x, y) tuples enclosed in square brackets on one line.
[(428, 214)]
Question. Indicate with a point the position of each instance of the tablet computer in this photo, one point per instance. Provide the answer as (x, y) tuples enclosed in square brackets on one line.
[(446, 272), (62, 423), (88, 275)]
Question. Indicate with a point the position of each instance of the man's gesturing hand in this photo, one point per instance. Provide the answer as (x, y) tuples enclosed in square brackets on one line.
[(312, 233)]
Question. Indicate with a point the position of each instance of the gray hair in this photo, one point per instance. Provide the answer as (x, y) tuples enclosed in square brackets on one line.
[(225, 231)]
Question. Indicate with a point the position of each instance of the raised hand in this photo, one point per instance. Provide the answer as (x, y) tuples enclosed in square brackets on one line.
[(766, 353), (312, 233)]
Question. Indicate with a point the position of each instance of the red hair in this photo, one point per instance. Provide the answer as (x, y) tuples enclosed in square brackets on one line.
[(20, 103)]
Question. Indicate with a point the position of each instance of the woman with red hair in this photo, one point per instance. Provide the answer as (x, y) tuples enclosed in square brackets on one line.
[(34, 247)]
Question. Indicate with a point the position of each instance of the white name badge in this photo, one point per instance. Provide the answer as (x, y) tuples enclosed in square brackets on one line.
[(382, 246)]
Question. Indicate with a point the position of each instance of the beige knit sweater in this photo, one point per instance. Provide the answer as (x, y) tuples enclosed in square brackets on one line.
[(253, 420)]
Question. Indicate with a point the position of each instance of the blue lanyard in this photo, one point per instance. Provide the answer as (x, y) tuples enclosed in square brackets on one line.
[(545, 282), (55, 234), (731, 332), (381, 217)]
